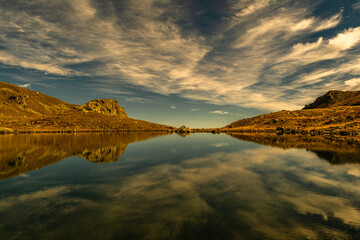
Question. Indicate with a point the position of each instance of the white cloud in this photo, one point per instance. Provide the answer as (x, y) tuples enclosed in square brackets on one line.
[(315, 77), (322, 50), (347, 39), (245, 63), (356, 6), (247, 7), (329, 23), (353, 83), (16, 61), (219, 112), (173, 107), (219, 145), (194, 109), (136, 100), (304, 24), (26, 85)]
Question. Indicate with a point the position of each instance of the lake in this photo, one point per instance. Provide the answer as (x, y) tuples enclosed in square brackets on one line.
[(201, 186)]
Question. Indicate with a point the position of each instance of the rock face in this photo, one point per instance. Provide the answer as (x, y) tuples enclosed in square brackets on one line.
[(19, 99), (183, 129), (103, 106), (335, 99)]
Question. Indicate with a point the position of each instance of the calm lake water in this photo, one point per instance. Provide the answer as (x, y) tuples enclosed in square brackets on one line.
[(203, 186)]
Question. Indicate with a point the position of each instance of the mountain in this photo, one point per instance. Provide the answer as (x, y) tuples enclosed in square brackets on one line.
[(336, 98), (24, 110), (336, 111)]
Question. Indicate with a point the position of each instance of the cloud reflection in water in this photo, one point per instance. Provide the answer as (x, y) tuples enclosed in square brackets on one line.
[(254, 192)]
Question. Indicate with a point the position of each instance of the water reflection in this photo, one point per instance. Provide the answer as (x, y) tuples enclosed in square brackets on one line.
[(213, 187), (340, 150), (22, 153)]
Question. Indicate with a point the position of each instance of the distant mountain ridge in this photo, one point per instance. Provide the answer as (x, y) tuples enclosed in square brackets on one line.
[(26, 110), (335, 98)]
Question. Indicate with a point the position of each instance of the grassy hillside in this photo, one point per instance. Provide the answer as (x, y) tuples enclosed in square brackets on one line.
[(24, 110), (336, 111)]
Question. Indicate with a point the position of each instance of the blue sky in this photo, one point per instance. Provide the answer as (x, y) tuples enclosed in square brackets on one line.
[(201, 63)]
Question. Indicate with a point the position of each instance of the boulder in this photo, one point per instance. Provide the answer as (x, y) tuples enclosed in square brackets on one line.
[(103, 106), (183, 129)]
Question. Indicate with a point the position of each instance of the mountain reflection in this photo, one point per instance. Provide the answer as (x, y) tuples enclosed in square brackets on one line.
[(333, 150), (212, 187), (22, 153)]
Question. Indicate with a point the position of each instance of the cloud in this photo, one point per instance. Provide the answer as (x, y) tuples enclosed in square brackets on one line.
[(329, 23), (346, 40), (173, 107), (25, 85), (219, 145), (219, 112), (160, 186), (251, 53), (194, 109), (356, 6), (136, 100), (353, 83), (260, 187), (245, 8), (34, 196), (16, 61)]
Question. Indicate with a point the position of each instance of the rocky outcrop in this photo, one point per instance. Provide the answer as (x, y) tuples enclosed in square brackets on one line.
[(183, 129), (336, 98), (19, 99), (103, 106)]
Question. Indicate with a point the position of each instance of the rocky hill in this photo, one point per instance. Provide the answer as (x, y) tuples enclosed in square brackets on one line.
[(335, 99), (335, 112), (103, 106), (24, 110)]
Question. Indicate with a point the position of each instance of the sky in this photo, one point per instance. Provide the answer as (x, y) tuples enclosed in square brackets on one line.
[(200, 63)]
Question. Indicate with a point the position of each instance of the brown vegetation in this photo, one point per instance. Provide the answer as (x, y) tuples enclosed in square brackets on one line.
[(336, 98), (24, 110), (333, 113)]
